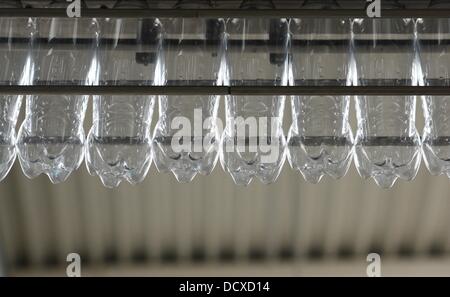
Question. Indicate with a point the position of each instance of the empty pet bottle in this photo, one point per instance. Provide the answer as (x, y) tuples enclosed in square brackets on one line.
[(51, 138), (15, 71), (320, 140), (187, 134), (387, 142), (433, 37), (119, 142), (253, 142)]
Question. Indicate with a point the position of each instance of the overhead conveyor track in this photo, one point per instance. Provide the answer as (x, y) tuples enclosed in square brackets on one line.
[(223, 90), (413, 9)]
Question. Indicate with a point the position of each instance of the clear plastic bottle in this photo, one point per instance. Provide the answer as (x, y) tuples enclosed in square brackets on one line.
[(320, 139), (191, 150), (119, 142), (433, 36), (387, 141), (51, 138), (187, 134), (15, 70), (253, 142)]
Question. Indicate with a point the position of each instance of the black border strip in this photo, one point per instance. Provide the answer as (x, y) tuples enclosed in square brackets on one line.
[(223, 90)]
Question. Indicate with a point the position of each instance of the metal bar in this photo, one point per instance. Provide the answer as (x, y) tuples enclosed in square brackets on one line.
[(221, 90), (113, 90), (224, 13), (339, 90), (247, 141)]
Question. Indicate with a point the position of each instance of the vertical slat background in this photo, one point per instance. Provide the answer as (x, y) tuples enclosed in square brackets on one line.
[(211, 219)]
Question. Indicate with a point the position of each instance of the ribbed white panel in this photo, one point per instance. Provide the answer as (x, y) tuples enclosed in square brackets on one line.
[(211, 217)]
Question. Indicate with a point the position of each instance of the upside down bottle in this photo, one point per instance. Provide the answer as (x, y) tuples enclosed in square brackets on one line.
[(433, 38), (187, 134), (253, 142), (51, 138), (320, 139), (388, 145), (15, 61), (119, 142)]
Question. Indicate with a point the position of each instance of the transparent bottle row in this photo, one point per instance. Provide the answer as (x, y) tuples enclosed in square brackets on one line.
[(121, 148), (189, 137)]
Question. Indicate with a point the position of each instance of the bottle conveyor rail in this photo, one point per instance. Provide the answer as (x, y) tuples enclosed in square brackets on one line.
[(228, 90)]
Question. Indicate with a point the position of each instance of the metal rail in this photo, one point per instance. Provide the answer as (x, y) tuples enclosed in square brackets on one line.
[(245, 140), (222, 13), (223, 90)]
